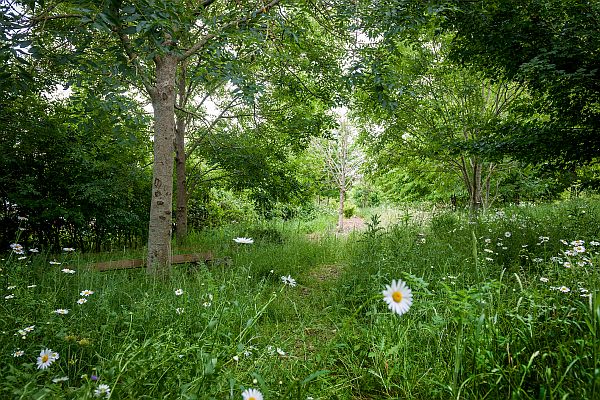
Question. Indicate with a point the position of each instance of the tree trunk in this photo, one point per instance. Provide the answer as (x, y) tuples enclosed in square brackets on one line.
[(160, 227), (181, 220), (476, 196), (341, 209)]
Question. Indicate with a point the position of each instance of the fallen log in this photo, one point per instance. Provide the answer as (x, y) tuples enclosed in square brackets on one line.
[(140, 262)]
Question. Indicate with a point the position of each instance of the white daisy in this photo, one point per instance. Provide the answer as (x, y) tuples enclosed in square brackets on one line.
[(564, 289), (243, 240), (178, 292), (34, 250), (54, 262), (280, 352), (18, 353), (102, 390), (86, 292), (507, 234), (68, 271), (68, 249), (288, 280), (46, 358), (543, 279), (398, 296), (252, 394), (82, 300), (61, 311)]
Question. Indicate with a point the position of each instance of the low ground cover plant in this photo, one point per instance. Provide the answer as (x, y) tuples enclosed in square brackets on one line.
[(446, 307)]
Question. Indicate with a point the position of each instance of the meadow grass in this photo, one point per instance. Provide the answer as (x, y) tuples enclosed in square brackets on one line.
[(496, 313)]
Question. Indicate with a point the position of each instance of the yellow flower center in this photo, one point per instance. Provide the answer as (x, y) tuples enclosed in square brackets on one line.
[(252, 398), (397, 296), (45, 358)]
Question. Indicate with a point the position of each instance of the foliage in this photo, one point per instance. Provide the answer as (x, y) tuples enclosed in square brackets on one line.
[(75, 169), (552, 46)]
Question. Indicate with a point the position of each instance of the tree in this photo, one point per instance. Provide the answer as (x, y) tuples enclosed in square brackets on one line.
[(150, 41), (342, 161), (426, 107), (552, 47), (277, 90)]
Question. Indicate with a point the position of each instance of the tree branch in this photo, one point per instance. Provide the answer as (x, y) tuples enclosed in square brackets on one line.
[(242, 21)]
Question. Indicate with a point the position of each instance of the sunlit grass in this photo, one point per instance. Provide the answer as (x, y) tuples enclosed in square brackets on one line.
[(495, 313)]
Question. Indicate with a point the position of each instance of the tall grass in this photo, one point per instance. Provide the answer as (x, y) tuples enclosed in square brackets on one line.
[(491, 318)]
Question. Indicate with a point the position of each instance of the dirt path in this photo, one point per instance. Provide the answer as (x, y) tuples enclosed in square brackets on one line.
[(354, 224)]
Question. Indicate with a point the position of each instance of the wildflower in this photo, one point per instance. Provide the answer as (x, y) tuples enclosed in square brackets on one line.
[(280, 352), (86, 292), (564, 289), (18, 353), (61, 379), (9, 296), (54, 262), (179, 310), (579, 249), (398, 296), (556, 259), (577, 243), (252, 394), (490, 259), (488, 241), (543, 279), (31, 286), (22, 258), (236, 358), (67, 271), (34, 250), (567, 264), (11, 287), (61, 311), (68, 249), (102, 390), (570, 253), (594, 243), (507, 234), (22, 218), (206, 304), (538, 260), (178, 292), (488, 250), (82, 300), (93, 377), (543, 239), (46, 358), (17, 248), (288, 280), (243, 240), (29, 328)]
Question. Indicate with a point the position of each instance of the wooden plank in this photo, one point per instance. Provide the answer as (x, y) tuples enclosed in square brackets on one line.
[(139, 262)]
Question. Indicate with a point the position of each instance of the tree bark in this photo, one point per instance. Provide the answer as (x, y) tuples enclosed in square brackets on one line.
[(341, 210), (476, 197), (181, 219), (160, 227)]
